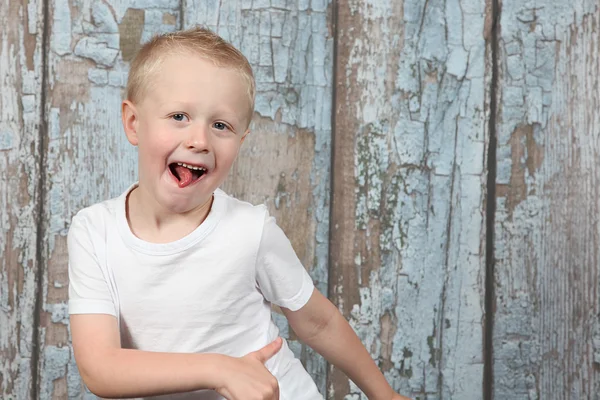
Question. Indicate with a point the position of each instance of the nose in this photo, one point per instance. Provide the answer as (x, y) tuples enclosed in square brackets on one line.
[(198, 139)]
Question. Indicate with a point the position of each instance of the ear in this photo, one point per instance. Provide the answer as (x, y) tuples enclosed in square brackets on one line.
[(130, 121), (244, 137)]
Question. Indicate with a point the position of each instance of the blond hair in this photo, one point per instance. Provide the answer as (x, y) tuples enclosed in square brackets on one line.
[(200, 41)]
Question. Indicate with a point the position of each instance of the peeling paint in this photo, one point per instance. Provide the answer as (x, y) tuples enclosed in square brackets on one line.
[(411, 113), (407, 251), (526, 159), (20, 111), (96, 50), (547, 206), (61, 28)]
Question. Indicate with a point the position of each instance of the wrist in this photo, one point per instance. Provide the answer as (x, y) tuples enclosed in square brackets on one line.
[(214, 369)]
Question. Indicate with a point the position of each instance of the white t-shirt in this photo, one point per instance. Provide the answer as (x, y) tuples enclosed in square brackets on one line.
[(209, 292)]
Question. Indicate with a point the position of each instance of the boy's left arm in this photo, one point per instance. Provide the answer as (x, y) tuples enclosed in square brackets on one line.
[(320, 325)]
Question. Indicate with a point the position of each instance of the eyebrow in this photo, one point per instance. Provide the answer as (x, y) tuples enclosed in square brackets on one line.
[(229, 116), (174, 104)]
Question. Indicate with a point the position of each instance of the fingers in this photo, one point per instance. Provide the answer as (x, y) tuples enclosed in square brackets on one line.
[(276, 393), (248, 379), (254, 391), (269, 350)]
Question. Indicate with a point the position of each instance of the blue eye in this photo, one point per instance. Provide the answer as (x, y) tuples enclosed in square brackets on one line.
[(220, 126), (179, 117)]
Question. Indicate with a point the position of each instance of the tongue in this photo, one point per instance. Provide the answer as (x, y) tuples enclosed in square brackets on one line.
[(184, 174)]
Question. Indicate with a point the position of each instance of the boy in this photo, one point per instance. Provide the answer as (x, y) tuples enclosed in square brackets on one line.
[(171, 282)]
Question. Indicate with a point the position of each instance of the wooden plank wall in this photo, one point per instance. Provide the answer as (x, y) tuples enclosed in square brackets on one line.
[(409, 179), (21, 64), (377, 114), (546, 338)]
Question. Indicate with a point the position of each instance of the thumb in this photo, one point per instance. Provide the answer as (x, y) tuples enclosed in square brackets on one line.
[(269, 350)]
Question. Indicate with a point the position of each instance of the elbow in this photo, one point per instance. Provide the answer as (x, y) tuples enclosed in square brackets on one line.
[(90, 382), (95, 389), (94, 383), (94, 375), (101, 388)]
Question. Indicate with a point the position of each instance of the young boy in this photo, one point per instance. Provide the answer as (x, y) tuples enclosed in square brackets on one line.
[(171, 283)]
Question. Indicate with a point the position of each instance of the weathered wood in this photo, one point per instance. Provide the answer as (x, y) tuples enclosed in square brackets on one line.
[(88, 156), (407, 245), (407, 240), (546, 330), (285, 163), (21, 37)]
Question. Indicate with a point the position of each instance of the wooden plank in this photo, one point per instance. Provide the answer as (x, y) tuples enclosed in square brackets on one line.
[(285, 162), (21, 38), (546, 330), (407, 246), (88, 156)]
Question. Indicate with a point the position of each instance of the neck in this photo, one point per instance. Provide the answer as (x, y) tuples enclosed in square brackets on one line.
[(152, 222)]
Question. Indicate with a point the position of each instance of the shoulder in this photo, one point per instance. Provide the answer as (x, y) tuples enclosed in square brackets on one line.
[(97, 217), (237, 208)]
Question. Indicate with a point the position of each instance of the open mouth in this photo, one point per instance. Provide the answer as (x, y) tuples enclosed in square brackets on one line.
[(186, 174)]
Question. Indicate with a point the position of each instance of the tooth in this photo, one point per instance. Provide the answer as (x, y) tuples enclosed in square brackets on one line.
[(178, 163)]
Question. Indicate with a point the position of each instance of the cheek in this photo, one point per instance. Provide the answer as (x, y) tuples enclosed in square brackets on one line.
[(229, 153), (156, 142)]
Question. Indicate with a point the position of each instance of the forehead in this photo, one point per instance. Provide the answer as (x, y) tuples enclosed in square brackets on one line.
[(189, 78)]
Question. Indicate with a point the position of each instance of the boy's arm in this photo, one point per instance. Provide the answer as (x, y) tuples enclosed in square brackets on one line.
[(320, 325), (111, 372)]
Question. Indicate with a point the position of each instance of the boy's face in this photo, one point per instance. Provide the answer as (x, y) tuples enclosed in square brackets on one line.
[(188, 127)]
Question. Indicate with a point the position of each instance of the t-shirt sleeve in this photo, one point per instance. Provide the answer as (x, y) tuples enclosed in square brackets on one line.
[(280, 275), (88, 289)]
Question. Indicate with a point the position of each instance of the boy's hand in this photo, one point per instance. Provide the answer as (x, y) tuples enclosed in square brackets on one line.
[(247, 378), (396, 396)]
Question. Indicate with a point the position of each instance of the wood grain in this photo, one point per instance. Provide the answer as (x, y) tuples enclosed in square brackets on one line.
[(405, 261), (546, 329), (88, 156), (21, 41), (407, 245), (285, 163)]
